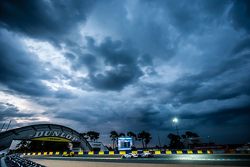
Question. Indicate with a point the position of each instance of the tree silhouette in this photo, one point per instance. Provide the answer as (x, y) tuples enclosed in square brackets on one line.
[(192, 139), (122, 135), (184, 136), (175, 141), (132, 135), (144, 137), (190, 134), (93, 136), (114, 137), (188, 139), (84, 135)]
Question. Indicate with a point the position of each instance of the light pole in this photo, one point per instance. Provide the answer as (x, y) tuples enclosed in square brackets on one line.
[(175, 121)]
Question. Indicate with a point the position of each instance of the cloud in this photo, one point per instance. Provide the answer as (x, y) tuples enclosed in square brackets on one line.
[(52, 24), (19, 69), (130, 65), (8, 111), (239, 14), (224, 116), (111, 65), (221, 123), (217, 82), (209, 56)]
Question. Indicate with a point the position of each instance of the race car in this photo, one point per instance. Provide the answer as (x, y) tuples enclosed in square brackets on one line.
[(130, 155), (145, 155), (244, 149)]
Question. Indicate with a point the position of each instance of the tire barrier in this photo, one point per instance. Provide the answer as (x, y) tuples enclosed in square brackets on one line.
[(15, 160), (157, 152)]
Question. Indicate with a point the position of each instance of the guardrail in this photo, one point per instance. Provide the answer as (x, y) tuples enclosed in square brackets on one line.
[(157, 152), (15, 160)]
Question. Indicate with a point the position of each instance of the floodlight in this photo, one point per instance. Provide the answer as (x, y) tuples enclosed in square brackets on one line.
[(175, 120)]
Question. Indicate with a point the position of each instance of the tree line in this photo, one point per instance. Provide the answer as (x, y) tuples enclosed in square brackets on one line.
[(144, 137), (188, 139)]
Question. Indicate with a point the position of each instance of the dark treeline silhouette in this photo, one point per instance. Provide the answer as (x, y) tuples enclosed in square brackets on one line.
[(188, 140), (91, 135), (145, 138), (114, 137)]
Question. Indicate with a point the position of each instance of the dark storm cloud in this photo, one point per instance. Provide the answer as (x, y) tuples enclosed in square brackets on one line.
[(46, 20), (19, 69), (94, 117), (161, 59), (133, 117), (193, 89), (82, 60), (240, 14), (118, 67), (222, 75), (224, 81), (7, 111), (242, 46), (145, 118), (228, 121), (192, 16), (226, 116), (149, 36)]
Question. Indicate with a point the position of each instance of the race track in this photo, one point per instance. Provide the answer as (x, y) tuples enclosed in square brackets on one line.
[(159, 160)]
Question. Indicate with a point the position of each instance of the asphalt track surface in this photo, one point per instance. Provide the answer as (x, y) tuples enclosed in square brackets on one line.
[(194, 159)]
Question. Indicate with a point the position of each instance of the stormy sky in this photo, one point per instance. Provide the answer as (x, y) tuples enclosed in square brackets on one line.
[(128, 65)]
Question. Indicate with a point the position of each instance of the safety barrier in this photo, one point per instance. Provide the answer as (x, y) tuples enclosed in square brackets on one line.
[(15, 160), (157, 152)]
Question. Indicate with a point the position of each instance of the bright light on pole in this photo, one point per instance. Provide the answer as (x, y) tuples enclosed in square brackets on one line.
[(175, 121)]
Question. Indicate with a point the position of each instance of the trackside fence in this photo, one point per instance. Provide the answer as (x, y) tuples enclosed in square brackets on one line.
[(157, 152)]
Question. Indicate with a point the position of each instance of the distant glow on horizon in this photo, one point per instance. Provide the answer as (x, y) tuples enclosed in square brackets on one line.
[(27, 120), (23, 104)]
